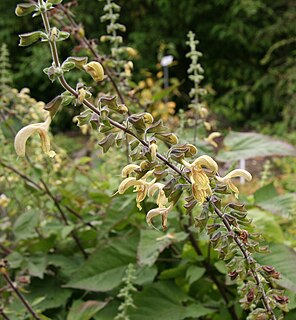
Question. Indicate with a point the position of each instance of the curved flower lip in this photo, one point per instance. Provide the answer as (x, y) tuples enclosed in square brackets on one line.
[(159, 211), (205, 161), (211, 137), (25, 133), (129, 169), (234, 174), (162, 200), (129, 182)]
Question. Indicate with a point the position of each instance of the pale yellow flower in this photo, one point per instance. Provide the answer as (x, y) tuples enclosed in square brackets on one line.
[(200, 182), (211, 137), (161, 200), (163, 212), (140, 186), (95, 69), (129, 169), (234, 174), (4, 201), (25, 133)]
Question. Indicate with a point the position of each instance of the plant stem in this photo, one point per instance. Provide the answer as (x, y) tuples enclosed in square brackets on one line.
[(248, 259), (245, 253), (65, 220), (37, 186), (20, 296)]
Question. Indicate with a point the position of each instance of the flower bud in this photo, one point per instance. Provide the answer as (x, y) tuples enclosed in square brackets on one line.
[(95, 69)]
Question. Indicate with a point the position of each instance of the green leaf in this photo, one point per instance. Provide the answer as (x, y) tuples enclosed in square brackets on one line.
[(79, 62), (153, 243), (241, 145), (282, 205), (164, 300), (267, 225), (24, 227), (104, 269), (23, 9), (107, 142), (85, 310), (160, 95), (37, 266), (27, 39), (283, 259), (194, 273), (265, 193), (50, 288)]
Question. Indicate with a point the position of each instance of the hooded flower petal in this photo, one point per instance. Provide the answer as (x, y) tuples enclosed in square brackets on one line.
[(162, 200), (205, 161), (211, 137), (159, 211), (235, 174), (25, 133), (127, 183), (129, 169)]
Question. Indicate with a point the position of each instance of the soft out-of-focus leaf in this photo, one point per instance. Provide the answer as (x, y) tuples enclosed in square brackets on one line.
[(37, 266), (283, 259), (51, 289), (194, 273), (104, 269), (25, 224), (153, 243), (164, 300), (266, 224), (84, 310), (265, 193), (145, 275), (283, 205), (242, 145)]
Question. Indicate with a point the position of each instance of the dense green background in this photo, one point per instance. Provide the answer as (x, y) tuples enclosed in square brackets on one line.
[(249, 52)]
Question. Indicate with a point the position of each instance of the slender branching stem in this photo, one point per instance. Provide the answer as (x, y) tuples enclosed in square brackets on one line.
[(65, 219), (41, 189), (249, 259), (19, 295)]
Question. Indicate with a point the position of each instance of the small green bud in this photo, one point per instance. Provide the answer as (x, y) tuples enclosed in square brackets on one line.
[(23, 9)]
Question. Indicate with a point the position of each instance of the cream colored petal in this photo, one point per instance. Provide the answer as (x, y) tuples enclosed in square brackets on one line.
[(22, 136), (211, 137), (162, 200), (198, 194), (45, 140), (152, 189), (235, 174), (129, 169), (200, 178), (127, 183), (205, 161), (233, 188), (158, 211)]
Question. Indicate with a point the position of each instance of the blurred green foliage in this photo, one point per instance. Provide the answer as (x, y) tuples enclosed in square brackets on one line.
[(249, 48)]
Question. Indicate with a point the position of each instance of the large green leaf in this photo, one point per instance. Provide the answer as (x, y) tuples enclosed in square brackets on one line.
[(165, 300), (51, 290), (25, 224), (152, 243), (283, 259), (242, 145), (268, 199), (283, 205), (84, 310), (104, 269), (266, 224)]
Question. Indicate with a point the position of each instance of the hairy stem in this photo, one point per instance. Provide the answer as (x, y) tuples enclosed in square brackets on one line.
[(248, 258)]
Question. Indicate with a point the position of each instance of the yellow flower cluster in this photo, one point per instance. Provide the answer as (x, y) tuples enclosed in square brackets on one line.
[(201, 171), (145, 188)]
